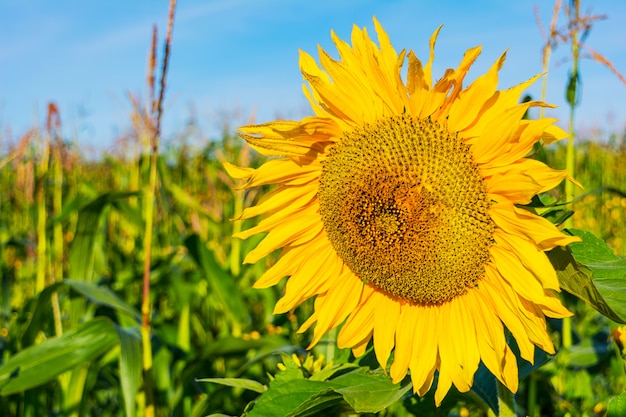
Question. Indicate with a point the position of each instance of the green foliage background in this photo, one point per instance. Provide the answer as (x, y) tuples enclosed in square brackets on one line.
[(83, 240), (216, 345)]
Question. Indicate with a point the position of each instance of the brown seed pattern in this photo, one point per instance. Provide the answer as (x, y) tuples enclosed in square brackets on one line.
[(405, 207)]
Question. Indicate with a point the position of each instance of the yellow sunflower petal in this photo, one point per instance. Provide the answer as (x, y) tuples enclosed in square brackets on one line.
[(307, 228), (238, 172), (384, 335), (395, 209), (428, 72), (489, 334), (424, 360), (498, 134), (288, 138), (453, 99), (405, 329), (335, 306), (465, 111), (553, 134), (324, 265), (455, 363), (283, 267), (359, 325), (533, 258), (530, 132), (279, 218), (283, 171), (523, 179), (521, 279), (500, 300), (518, 221), (282, 197)]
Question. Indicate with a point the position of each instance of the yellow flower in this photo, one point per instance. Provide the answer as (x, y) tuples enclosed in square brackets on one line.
[(619, 336), (397, 208)]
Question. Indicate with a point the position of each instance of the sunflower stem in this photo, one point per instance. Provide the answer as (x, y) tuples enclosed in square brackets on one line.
[(570, 159), (331, 345), (506, 401)]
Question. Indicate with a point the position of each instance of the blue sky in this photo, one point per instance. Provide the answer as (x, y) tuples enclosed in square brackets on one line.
[(238, 57)]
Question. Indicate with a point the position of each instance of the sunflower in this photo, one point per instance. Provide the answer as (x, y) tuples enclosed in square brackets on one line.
[(397, 207)]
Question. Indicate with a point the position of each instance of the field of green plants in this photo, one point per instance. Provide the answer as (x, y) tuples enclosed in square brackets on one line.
[(124, 294), (72, 254)]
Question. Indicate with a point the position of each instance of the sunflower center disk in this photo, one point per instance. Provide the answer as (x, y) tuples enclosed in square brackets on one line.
[(405, 207)]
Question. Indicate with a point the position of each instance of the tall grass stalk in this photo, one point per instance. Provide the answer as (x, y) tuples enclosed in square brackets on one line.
[(572, 94), (545, 64), (42, 215), (148, 215), (53, 123)]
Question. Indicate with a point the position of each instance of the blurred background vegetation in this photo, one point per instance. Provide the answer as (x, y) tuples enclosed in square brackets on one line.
[(207, 321), (95, 252)]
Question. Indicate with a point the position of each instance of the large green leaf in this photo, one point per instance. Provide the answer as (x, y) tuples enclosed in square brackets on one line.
[(592, 272), (103, 296), (297, 397), (41, 363), (221, 283), (359, 389), (130, 366), (81, 253), (35, 313)]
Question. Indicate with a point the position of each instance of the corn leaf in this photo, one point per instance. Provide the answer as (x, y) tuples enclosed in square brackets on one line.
[(221, 283), (248, 384), (103, 296), (130, 367), (81, 253), (41, 363)]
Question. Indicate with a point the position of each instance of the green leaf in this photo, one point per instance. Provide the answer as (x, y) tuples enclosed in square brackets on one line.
[(586, 354), (369, 391), (296, 397), (572, 92), (360, 390), (41, 363), (317, 403), (485, 388), (130, 366), (221, 283), (103, 296), (592, 272), (617, 406), (36, 311), (187, 200), (248, 384), (81, 253), (73, 392)]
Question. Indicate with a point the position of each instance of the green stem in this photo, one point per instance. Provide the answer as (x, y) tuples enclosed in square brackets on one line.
[(570, 159), (146, 304), (506, 401), (235, 248), (331, 345), (239, 196), (42, 248), (532, 396), (544, 79), (57, 233), (570, 162)]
